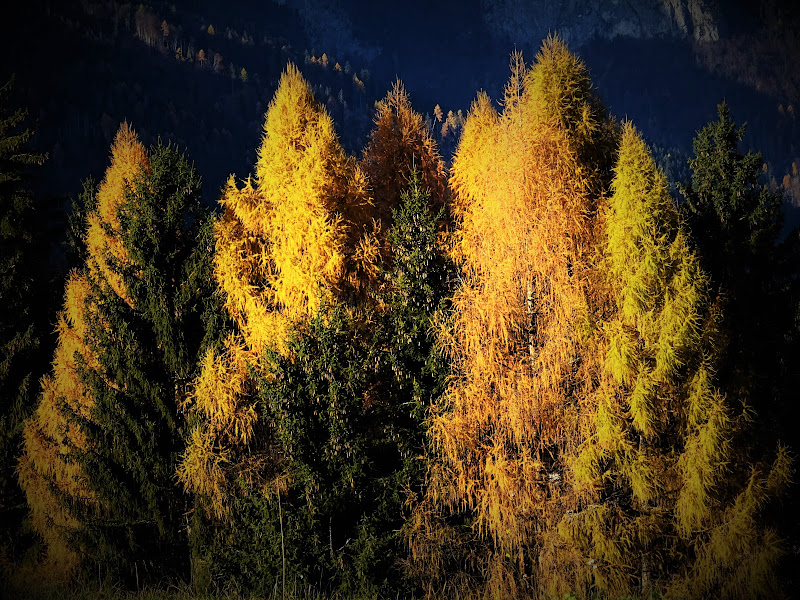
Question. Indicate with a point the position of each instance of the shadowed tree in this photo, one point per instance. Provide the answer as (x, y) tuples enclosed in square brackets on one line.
[(417, 298), (101, 449), (146, 347), (667, 499), (737, 223), (727, 204), (49, 473), (346, 405), (20, 325)]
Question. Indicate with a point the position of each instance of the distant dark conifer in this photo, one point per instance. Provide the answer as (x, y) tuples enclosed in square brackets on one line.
[(736, 221), (20, 325)]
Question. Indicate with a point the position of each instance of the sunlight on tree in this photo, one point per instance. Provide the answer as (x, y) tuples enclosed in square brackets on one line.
[(297, 235), (46, 468)]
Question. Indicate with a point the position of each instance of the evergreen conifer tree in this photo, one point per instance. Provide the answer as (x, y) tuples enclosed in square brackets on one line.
[(329, 423), (20, 325), (101, 449), (415, 369), (727, 204), (347, 405), (49, 471), (737, 222), (146, 347), (417, 298)]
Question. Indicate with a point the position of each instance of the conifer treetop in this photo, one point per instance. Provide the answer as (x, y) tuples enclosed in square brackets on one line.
[(128, 157), (400, 143)]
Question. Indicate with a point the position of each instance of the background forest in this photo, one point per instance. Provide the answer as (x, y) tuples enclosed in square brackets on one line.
[(271, 330)]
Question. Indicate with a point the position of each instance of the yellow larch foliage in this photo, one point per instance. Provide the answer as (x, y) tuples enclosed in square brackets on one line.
[(518, 338), (45, 459), (299, 233), (128, 157), (561, 94), (317, 207), (581, 435), (733, 555), (244, 269), (400, 142), (49, 434), (657, 435), (228, 443)]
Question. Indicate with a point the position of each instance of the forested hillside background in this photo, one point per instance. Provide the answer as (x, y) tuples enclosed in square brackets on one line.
[(316, 299), (83, 67)]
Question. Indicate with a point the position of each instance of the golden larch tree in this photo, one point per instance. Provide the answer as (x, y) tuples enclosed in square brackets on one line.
[(296, 236), (46, 469), (399, 143), (660, 473), (524, 186)]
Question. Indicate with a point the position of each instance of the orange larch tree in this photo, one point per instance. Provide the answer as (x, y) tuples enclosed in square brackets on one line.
[(48, 470), (581, 446), (399, 143), (525, 185)]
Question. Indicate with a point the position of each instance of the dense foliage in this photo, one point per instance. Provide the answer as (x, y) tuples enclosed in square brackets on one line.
[(147, 349), (21, 324), (736, 221), (101, 449), (537, 378)]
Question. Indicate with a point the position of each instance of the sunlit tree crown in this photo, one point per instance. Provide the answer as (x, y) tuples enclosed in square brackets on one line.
[(304, 220), (128, 157), (399, 143), (522, 201), (658, 436), (562, 95), (297, 235)]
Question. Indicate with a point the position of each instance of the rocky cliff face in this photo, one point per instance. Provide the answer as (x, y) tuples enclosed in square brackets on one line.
[(577, 21)]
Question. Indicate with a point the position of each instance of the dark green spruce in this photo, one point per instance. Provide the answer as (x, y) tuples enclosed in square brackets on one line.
[(21, 323), (347, 409), (736, 221), (148, 352)]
